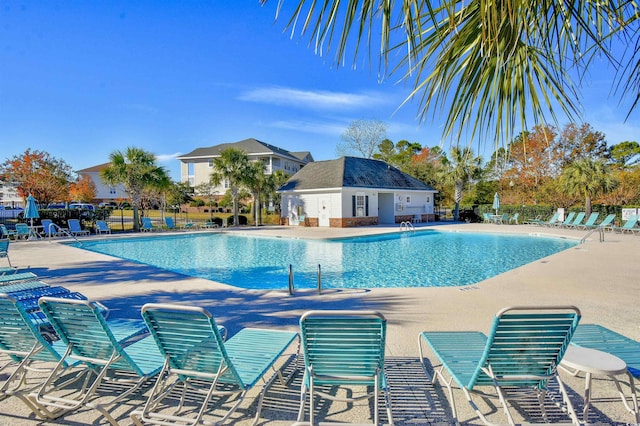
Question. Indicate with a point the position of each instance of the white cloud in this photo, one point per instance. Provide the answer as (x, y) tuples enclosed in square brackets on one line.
[(320, 99), (165, 158), (318, 127)]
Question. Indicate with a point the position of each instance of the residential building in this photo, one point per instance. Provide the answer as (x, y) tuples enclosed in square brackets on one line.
[(196, 166), (104, 192), (9, 195), (354, 191)]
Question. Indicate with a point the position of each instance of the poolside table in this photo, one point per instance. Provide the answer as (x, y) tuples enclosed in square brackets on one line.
[(592, 361)]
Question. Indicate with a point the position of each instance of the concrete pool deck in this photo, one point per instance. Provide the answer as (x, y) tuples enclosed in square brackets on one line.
[(601, 278)]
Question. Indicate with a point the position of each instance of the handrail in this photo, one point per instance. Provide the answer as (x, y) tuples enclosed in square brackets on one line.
[(407, 226), (61, 230), (600, 229)]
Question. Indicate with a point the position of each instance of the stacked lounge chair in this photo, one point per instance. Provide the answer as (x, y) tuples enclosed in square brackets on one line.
[(101, 357)]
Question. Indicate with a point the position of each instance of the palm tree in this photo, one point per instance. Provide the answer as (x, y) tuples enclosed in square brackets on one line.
[(231, 166), (460, 170), (136, 170), (255, 181), (275, 181), (587, 177), (490, 64)]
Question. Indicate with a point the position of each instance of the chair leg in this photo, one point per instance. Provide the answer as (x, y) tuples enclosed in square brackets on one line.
[(303, 399)]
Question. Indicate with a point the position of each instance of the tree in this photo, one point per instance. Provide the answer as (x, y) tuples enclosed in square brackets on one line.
[(362, 138), (179, 193), (399, 155), (40, 174), (427, 165), (83, 190), (207, 189), (137, 170), (276, 180), (627, 192), (460, 169), (491, 66), (588, 177), (255, 181), (625, 154), (531, 162), (231, 166), (582, 141)]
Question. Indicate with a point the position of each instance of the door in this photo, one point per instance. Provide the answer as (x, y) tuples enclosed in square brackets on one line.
[(324, 209)]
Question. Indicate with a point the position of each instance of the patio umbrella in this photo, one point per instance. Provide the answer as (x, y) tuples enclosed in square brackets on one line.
[(31, 212), (496, 202)]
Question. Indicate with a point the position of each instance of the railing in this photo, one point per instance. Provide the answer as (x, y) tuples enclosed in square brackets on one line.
[(407, 226), (600, 230), (292, 287), (59, 230)]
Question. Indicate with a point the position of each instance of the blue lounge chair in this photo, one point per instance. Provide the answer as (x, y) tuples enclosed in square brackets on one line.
[(4, 254), (629, 226), (567, 220), (101, 358), (523, 350), (550, 222), (17, 277), (49, 229), (6, 233), (514, 219), (147, 225), (8, 270), (22, 231), (195, 352), (169, 223), (102, 227), (486, 218), (28, 351), (591, 221), (75, 229), (343, 348), (577, 221), (606, 222)]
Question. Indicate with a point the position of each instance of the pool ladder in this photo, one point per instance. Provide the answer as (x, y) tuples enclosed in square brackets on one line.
[(61, 230), (291, 286), (600, 230), (407, 226)]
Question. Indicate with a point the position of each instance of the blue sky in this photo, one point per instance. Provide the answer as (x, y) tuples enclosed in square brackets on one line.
[(84, 78)]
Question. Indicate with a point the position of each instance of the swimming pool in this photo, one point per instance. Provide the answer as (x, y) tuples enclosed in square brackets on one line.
[(420, 259)]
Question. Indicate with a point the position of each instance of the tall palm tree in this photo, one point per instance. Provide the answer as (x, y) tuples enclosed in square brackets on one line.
[(136, 170), (231, 166), (255, 181), (587, 177), (460, 169), (275, 181), (490, 64)]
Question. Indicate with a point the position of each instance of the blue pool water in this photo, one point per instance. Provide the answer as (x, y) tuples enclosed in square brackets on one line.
[(421, 259)]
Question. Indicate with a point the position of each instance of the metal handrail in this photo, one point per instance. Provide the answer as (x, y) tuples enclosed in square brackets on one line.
[(600, 229), (407, 226), (61, 230)]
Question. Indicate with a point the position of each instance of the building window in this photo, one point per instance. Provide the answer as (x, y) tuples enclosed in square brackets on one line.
[(112, 190), (360, 205), (226, 184), (211, 164), (408, 199)]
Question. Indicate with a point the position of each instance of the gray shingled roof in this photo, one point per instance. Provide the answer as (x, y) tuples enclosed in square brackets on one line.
[(352, 172), (250, 146)]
